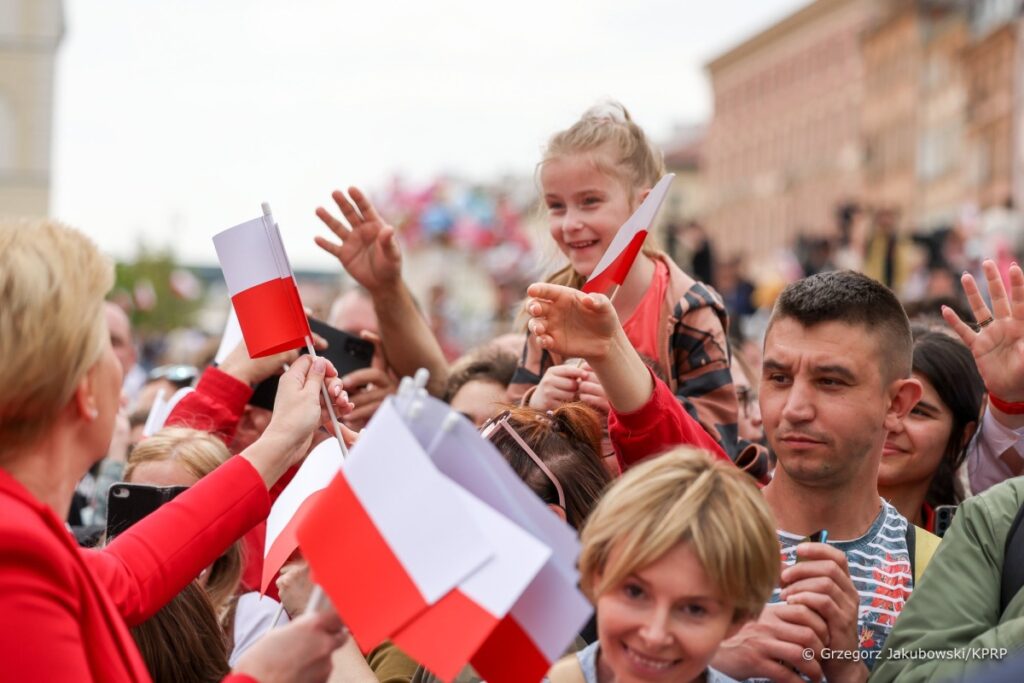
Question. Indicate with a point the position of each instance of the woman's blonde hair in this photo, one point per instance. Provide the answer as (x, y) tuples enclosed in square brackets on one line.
[(635, 162), (685, 496), (198, 453), (52, 328)]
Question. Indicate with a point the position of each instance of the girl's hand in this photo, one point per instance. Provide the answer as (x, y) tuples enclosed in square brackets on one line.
[(592, 393), (560, 384), (571, 323)]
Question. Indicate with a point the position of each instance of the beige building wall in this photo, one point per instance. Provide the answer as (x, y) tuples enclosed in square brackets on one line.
[(991, 64), (892, 52), (943, 119), (30, 33), (914, 116), (784, 144)]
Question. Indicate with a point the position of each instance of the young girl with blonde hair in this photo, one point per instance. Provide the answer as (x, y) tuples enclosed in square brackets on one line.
[(176, 456), (593, 176)]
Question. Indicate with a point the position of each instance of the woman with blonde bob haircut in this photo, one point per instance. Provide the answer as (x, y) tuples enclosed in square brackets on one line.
[(65, 610), (679, 554), (177, 456)]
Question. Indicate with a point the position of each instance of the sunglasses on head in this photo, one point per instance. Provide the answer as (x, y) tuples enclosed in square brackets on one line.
[(501, 422)]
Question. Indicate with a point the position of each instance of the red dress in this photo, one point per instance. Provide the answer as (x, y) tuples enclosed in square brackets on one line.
[(65, 611)]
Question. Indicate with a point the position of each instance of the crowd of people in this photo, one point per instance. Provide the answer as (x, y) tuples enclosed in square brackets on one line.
[(836, 500)]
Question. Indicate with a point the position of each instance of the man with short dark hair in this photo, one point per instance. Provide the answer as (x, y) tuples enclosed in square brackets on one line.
[(835, 380)]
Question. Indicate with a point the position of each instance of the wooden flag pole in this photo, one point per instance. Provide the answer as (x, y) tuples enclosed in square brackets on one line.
[(330, 404)]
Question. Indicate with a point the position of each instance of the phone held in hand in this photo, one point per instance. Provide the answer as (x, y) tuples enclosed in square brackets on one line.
[(820, 536), (128, 503), (346, 352)]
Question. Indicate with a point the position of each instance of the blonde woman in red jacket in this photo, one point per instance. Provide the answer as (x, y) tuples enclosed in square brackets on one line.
[(65, 612)]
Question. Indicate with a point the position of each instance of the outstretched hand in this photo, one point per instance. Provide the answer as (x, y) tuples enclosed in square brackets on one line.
[(252, 371), (998, 343), (299, 651), (369, 249), (571, 323), (298, 410)]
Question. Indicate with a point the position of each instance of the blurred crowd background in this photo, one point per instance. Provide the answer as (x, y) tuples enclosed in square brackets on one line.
[(879, 135)]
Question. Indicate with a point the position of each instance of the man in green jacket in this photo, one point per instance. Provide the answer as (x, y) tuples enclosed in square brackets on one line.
[(952, 621)]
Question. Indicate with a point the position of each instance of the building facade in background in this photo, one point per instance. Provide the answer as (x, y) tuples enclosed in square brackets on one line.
[(993, 66), (784, 145), (912, 105), (30, 33), (914, 122)]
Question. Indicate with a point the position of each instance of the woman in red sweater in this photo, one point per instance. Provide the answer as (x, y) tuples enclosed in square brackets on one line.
[(65, 612)]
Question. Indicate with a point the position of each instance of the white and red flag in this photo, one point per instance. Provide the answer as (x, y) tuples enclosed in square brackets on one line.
[(618, 258), (316, 472), (390, 535), (445, 637), (262, 286), (546, 612)]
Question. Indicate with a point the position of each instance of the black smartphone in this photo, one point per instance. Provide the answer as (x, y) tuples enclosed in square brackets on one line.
[(128, 503), (943, 518), (347, 352)]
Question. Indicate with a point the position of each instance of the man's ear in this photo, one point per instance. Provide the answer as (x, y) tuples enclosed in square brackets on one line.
[(84, 398), (904, 395)]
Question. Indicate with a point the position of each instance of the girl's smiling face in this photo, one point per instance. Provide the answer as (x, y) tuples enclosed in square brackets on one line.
[(586, 205), (663, 622), (914, 450)]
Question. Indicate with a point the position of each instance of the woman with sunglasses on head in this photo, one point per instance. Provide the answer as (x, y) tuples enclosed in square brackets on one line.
[(557, 454)]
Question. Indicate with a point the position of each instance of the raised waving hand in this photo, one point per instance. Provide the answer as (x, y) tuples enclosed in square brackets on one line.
[(369, 249), (997, 340)]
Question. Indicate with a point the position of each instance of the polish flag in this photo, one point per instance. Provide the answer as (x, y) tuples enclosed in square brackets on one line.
[(445, 637), (539, 630), (618, 258), (262, 286), (230, 338), (390, 535), (546, 617), (317, 470)]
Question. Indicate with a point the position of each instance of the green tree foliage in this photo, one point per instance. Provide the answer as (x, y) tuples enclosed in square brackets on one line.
[(144, 287)]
